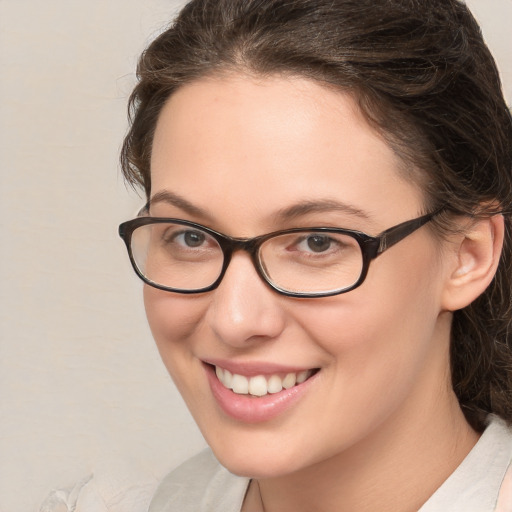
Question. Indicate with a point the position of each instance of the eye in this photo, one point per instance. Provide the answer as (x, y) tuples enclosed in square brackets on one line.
[(177, 238), (191, 238), (317, 243)]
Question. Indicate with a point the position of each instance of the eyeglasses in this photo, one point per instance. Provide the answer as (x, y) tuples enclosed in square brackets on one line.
[(184, 257)]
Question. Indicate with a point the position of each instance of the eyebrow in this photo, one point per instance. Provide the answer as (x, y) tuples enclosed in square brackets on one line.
[(286, 214), (320, 206), (167, 197)]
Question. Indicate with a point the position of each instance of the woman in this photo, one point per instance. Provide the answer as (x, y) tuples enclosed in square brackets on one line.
[(325, 384), (326, 248)]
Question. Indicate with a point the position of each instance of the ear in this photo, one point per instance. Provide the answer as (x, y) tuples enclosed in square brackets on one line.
[(477, 256)]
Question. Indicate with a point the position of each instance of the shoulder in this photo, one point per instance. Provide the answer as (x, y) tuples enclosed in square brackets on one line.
[(504, 503), (200, 484), (121, 486), (482, 482)]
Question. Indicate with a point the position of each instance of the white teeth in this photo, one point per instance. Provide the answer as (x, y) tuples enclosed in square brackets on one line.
[(227, 380), (259, 385), (289, 381), (303, 376), (240, 384), (274, 384)]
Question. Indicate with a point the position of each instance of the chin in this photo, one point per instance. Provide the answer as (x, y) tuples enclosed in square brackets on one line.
[(256, 457), (260, 468)]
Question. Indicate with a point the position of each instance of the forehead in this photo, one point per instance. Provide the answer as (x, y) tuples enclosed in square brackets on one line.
[(246, 146)]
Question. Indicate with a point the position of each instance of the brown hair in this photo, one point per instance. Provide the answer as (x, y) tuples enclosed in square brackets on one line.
[(423, 77)]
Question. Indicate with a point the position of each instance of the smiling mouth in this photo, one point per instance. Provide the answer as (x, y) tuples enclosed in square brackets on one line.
[(261, 385)]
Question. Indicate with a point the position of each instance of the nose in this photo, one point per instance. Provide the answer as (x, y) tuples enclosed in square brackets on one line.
[(243, 308)]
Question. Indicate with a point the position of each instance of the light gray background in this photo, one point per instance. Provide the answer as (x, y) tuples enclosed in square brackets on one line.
[(80, 380)]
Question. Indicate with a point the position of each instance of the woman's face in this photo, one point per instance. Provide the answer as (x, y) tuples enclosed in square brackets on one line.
[(248, 156)]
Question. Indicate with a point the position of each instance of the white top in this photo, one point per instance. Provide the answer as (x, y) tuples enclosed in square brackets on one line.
[(482, 483)]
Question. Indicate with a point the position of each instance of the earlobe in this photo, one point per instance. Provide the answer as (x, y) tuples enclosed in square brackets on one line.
[(478, 252)]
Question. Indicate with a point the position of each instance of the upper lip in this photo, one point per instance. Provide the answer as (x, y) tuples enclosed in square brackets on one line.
[(253, 368)]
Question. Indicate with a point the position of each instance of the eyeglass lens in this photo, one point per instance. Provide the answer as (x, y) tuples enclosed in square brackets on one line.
[(186, 258)]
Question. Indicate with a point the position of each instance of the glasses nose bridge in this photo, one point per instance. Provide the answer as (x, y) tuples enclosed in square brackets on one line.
[(230, 245), (250, 246)]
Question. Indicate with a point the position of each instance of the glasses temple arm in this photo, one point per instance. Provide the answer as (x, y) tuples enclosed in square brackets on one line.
[(393, 235)]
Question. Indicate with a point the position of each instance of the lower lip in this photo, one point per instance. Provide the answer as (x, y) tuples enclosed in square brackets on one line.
[(250, 409)]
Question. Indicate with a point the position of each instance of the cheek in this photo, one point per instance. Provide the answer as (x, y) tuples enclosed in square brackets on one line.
[(382, 335), (173, 320)]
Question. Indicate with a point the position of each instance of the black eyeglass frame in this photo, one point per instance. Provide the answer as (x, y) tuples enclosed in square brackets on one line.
[(371, 247)]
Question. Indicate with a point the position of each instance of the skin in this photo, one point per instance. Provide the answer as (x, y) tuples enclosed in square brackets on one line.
[(381, 411)]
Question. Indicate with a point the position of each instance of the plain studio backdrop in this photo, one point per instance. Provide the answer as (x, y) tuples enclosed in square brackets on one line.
[(81, 383)]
